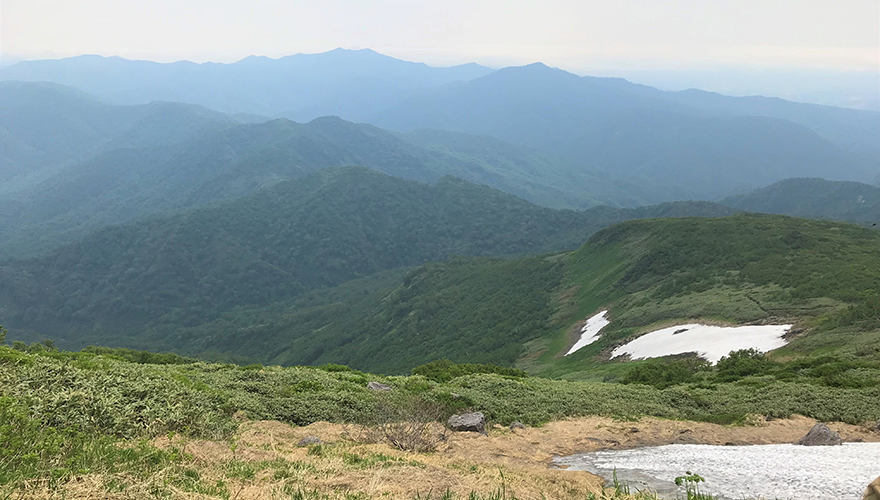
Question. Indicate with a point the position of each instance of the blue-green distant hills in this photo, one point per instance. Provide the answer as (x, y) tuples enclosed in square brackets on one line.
[(814, 198)]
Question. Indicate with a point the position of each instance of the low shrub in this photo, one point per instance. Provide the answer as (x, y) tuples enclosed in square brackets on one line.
[(444, 370)]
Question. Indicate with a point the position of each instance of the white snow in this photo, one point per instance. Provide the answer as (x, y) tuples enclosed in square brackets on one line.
[(710, 342), (590, 331), (759, 471)]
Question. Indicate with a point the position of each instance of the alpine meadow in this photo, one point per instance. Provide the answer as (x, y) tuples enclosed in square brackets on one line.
[(238, 265)]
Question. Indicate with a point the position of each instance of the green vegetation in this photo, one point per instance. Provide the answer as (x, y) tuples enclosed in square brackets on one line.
[(445, 370), (149, 284), (814, 198), (821, 276), (64, 414), (754, 367), (67, 414)]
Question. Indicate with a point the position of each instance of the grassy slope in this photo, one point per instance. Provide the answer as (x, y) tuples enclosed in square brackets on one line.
[(821, 276), (741, 269)]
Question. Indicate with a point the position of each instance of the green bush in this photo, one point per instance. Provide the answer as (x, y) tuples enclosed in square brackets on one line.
[(662, 374), (743, 363), (445, 370)]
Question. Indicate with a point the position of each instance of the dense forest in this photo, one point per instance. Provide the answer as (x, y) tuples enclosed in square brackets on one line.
[(740, 269), (318, 231)]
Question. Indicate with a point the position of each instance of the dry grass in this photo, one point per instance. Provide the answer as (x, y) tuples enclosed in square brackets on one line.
[(264, 462)]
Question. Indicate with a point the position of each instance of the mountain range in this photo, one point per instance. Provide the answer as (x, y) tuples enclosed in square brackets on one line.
[(684, 145), (131, 162), (451, 223), (353, 84)]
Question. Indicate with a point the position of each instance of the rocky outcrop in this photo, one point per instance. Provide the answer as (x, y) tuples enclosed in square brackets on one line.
[(873, 491), (468, 422), (378, 386), (820, 435)]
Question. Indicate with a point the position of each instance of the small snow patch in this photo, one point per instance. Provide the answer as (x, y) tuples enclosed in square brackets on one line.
[(590, 331), (710, 342)]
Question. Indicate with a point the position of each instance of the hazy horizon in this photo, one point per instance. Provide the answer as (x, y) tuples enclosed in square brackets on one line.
[(580, 36)]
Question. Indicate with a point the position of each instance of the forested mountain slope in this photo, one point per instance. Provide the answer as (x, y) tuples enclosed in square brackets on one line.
[(44, 125), (321, 230), (527, 312), (814, 198), (115, 164)]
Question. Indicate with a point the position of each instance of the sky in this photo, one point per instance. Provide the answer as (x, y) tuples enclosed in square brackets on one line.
[(579, 35)]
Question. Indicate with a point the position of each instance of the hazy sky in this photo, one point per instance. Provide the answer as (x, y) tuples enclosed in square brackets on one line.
[(578, 35)]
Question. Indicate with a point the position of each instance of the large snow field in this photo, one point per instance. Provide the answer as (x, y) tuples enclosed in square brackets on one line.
[(590, 331), (760, 471), (710, 342)]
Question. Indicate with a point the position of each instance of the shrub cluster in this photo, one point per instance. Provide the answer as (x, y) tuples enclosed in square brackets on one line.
[(444, 370)]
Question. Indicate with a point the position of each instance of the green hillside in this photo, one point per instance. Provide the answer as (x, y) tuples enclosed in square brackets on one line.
[(823, 277), (319, 231), (814, 198)]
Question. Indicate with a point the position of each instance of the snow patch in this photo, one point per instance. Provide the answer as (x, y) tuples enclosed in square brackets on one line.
[(590, 331), (710, 342), (758, 471)]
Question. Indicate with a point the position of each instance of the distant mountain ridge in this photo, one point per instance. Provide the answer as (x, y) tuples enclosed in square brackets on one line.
[(352, 84), (45, 125), (814, 198), (691, 141), (116, 164)]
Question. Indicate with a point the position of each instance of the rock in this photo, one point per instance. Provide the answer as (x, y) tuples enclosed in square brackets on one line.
[(820, 435), (517, 425), (378, 386), (468, 422), (633, 430), (873, 490), (875, 427), (685, 439), (310, 440), (685, 431)]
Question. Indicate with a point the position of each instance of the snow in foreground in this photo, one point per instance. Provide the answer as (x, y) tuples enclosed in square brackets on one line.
[(590, 331), (765, 471), (710, 342)]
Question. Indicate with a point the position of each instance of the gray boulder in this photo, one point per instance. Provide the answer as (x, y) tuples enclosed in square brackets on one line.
[(820, 435), (517, 425), (378, 386), (309, 440), (468, 422)]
